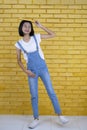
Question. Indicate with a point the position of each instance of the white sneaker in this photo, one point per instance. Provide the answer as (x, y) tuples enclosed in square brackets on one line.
[(63, 119), (33, 124)]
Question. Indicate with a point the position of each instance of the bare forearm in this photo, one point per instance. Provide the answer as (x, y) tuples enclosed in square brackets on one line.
[(22, 66), (28, 72)]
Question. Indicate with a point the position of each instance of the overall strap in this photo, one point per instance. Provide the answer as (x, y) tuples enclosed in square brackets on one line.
[(22, 47), (36, 42)]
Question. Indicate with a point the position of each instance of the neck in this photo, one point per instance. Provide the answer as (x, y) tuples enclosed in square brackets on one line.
[(26, 38)]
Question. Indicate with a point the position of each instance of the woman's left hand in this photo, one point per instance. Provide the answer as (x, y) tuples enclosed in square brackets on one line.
[(38, 24)]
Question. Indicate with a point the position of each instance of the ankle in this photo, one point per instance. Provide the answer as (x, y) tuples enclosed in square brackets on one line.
[(59, 114), (36, 118)]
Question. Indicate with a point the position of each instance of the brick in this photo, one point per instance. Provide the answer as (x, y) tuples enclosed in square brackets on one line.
[(80, 2), (74, 16), (84, 16), (80, 29), (75, 6), (67, 29), (47, 6), (10, 11), (73, 61), (32, 16), (39, 11), (80, 11), (79, 74), (67, 20), (10, 20), (61, 34), (81, 21), (24, 11), (18, 15), (2, 6), (60, 15), (25, 1), (65, 74), (66, 38), (5, 15), (84, 6), (83, 88), (52, 20), (60, 6), (83, 52), (53, 11), (81, 38), (1, 11), (73, 34), (39, 2), (73, 52), (1, 20), (5, 24), (67, 2), (10, 2), (67, 11), (46, 15), (33, 6), (5, 34), (74, 25), (53, 1), (18, 6), (60, 25), (1, 1)]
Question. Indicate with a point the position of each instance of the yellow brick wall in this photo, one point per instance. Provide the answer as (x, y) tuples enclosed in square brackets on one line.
[(66, 55)]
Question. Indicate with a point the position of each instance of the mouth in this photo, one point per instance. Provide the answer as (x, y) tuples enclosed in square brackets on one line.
[(27, 31)]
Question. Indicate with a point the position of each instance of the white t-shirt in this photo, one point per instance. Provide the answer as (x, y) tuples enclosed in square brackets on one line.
[(30, 46)]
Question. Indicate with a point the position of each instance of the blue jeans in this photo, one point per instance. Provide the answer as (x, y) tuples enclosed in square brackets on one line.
[(33, 83)]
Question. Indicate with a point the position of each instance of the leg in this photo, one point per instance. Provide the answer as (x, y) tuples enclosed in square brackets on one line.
[(33, 84), (44, 75)]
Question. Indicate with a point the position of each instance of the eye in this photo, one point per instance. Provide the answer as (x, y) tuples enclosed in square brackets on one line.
[(29, 26), (25, 25)]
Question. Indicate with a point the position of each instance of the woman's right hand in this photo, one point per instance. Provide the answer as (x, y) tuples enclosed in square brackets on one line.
[(30, 73)]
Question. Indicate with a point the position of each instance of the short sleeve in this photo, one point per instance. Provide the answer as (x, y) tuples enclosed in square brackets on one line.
[(16, 45), (38, 36)]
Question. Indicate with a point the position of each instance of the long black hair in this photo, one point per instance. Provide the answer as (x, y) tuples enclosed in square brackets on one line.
[(21, 25)]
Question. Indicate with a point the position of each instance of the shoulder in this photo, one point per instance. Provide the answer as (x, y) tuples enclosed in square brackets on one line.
[(38, 37), (37, 34), (17, 45)]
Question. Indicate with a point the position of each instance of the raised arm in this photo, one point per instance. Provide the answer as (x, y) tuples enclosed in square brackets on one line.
[(49, 34)]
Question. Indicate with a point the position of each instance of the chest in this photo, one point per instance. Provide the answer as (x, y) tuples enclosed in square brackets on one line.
[(30, 46)]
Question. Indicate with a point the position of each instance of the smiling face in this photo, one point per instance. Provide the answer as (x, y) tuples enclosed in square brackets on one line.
[(26, 28)]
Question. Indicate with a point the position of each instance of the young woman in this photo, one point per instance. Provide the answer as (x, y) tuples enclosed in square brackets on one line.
[(29, 45)]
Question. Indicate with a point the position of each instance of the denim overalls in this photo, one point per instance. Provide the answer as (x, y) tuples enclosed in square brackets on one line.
[(38, 66)]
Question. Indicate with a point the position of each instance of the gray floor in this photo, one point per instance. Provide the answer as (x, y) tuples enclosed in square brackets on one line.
[(16, 122)]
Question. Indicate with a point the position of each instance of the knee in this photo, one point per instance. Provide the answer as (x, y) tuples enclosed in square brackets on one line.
[(51, 92), (52, 95), (35, 97)]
